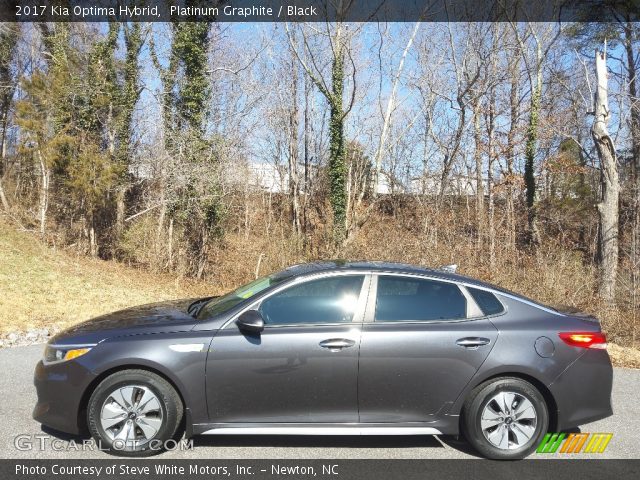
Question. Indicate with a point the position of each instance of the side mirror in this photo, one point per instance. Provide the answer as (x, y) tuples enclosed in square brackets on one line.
[(250, 321)]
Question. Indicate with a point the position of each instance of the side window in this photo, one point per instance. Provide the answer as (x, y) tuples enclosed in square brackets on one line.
[(326, 300), (413, 299), (487, 301)]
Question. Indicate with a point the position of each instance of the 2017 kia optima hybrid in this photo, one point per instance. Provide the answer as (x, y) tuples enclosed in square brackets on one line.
[(331, 348)]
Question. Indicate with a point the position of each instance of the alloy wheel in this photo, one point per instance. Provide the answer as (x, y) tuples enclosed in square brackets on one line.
[(508, 420), (131, 416)]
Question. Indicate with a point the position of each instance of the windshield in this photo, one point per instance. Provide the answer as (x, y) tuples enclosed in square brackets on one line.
[(219, 305)]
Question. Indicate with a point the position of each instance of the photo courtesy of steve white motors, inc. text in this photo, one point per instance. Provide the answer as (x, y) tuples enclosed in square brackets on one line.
[(167, 469)]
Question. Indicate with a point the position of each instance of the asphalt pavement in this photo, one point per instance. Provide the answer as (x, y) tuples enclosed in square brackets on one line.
[(19, 397)]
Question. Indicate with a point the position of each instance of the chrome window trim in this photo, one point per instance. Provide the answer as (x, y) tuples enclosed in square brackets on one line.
[(504, 307), (372, 296), (498, 294), (357, 316)]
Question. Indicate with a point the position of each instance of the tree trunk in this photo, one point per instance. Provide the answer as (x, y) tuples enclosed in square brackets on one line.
[(450, 157), (120, 210), (3, 197), (308, 114), (635, 107), (337, 164), (93, 244), (635, 165), (45, 177), (490, 154), (390, 107), (3, 154), (8, 81), (533, 237), (608, 206), (477, 139), (170, 242), (294, 183), (514, 106)]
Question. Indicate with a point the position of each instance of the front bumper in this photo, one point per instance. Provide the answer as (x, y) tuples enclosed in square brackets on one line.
[(583, 390), (60, 388)]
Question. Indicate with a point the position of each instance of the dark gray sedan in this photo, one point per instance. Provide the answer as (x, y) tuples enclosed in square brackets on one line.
[(331, 348)]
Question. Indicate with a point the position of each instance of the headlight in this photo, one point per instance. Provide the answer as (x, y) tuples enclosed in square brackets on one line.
[(61, 353)]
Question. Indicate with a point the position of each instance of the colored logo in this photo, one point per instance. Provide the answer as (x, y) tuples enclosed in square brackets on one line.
[(574, 443)]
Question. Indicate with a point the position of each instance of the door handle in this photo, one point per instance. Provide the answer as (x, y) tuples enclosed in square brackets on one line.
[(337, 344), (472, 342)]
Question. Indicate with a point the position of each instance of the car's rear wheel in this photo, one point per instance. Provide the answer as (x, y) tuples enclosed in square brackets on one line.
[(134, 413), (505, 418)]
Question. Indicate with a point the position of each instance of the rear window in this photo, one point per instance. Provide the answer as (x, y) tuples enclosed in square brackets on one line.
[(487, 301)]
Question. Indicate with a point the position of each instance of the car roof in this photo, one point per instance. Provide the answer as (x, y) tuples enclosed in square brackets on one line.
[(311, 268)]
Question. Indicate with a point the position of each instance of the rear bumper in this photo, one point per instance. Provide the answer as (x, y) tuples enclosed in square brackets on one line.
[(583, 390), (60, 388)]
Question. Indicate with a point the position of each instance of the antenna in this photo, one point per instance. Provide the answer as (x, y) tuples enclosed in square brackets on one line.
[(448, 268)]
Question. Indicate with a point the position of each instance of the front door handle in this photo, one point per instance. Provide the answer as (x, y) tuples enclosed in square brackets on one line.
[(472, 342), (337, 344)]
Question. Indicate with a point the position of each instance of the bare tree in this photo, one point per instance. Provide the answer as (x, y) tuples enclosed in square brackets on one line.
[(9, 34), (293, 153), (610, 184), (542, 43), (333, 90)]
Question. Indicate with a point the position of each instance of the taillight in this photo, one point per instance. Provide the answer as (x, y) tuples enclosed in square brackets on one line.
[(585, 339)]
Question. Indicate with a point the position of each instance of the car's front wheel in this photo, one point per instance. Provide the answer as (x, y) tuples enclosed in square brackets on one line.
[(505, 419), (134, 413)]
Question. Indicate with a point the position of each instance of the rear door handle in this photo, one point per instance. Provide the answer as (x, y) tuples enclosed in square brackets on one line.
[(472, 342), (337, 344)]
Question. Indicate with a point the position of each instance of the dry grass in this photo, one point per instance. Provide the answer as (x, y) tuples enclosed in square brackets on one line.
[(41, 287), (624, 356)]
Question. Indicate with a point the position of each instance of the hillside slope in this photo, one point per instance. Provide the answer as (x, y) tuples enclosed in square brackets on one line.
[(42, 287)]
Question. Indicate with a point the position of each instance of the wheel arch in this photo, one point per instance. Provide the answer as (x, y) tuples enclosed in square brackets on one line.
[(86, 395), (549, 399)]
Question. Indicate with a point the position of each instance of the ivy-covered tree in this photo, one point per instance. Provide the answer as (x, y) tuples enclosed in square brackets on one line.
[(333, 91), (194, 198)]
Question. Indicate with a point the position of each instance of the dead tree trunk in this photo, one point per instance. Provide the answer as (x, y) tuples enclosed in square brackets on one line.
[(629, 38), (610, 185), (294, 184), (491, 126), (477, 140), (45, 177), (3, 156), (514, 114)]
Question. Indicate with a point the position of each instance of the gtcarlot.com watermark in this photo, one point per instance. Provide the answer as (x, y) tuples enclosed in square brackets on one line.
[(41, 442)]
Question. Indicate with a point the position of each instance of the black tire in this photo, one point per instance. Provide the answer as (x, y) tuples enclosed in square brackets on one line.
[(483, 395), (171, 409)]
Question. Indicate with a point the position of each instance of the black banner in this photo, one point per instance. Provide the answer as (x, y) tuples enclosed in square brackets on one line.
[(318, 10), (115, 468)]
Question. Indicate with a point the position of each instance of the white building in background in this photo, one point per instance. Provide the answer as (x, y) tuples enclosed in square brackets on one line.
[(271, 178), (460, 185)]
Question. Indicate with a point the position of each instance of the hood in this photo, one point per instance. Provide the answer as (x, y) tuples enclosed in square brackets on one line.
[(170, 316)]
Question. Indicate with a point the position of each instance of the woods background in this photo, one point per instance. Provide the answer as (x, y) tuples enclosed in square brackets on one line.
[(226, 151)]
